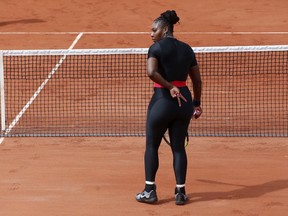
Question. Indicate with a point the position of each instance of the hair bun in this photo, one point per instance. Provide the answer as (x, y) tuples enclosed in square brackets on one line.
[(170, 16)]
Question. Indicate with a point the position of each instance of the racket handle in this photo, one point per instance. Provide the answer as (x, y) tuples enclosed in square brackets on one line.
[(197, 112)]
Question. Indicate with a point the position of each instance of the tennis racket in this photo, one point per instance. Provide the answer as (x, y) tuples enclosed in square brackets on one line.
[(166, 138)]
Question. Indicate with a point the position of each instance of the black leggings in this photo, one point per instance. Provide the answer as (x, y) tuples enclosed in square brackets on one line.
[(164, 113)]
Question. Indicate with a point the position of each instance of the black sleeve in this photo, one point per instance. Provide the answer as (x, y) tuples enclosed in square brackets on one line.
[(154, 51), (193, 59)]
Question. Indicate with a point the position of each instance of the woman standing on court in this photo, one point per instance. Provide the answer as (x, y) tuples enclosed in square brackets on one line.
[(169, 63)]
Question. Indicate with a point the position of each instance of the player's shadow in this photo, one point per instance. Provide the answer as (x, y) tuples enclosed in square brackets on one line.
[(252, 191), (21, 21)]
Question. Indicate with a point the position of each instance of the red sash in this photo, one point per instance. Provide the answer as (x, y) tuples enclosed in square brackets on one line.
[(175, 83)]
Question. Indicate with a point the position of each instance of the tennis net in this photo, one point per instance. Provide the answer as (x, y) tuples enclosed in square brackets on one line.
[(105, 92)]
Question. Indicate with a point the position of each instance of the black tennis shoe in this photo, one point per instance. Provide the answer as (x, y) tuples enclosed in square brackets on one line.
[(147, 197), (180, 198)]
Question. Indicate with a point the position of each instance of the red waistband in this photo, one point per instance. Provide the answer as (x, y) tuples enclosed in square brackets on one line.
[(175, 83)]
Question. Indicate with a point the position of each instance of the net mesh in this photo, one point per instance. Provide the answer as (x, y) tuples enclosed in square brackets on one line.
[(106, 92)]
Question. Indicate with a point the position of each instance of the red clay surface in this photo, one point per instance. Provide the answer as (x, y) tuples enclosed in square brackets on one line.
[(100, 176)]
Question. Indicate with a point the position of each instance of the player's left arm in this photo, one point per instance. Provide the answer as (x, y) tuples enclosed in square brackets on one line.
[(154, 75)]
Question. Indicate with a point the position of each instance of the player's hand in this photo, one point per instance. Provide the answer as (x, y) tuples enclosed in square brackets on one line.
[(175, 93), (197, 112)]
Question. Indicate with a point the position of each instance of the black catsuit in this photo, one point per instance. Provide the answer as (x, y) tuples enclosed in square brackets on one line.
[(175, 60)]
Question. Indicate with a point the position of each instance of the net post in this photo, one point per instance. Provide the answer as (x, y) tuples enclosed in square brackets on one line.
[(2, 92)]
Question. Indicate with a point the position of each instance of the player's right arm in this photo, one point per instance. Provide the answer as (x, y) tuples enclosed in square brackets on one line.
[(196, 81), (195, 77)]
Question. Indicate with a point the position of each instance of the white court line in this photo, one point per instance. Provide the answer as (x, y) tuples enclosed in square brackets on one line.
[(51, 73), (139, 33)]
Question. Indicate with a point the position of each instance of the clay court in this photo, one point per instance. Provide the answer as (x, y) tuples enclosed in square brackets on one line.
[(85, 176)]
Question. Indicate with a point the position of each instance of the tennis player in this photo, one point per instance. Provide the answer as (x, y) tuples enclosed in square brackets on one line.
[(169, 63)]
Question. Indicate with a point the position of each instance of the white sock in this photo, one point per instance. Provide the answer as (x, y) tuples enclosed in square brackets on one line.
[(149, 182), (180, 186)]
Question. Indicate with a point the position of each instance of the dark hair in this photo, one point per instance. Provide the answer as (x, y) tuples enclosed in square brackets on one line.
[(168, 18)]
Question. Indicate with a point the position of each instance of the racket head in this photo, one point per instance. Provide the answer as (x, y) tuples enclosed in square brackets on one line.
[(166, 138)]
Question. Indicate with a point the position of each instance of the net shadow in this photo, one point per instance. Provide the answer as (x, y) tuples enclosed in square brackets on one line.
[(22, 21)]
